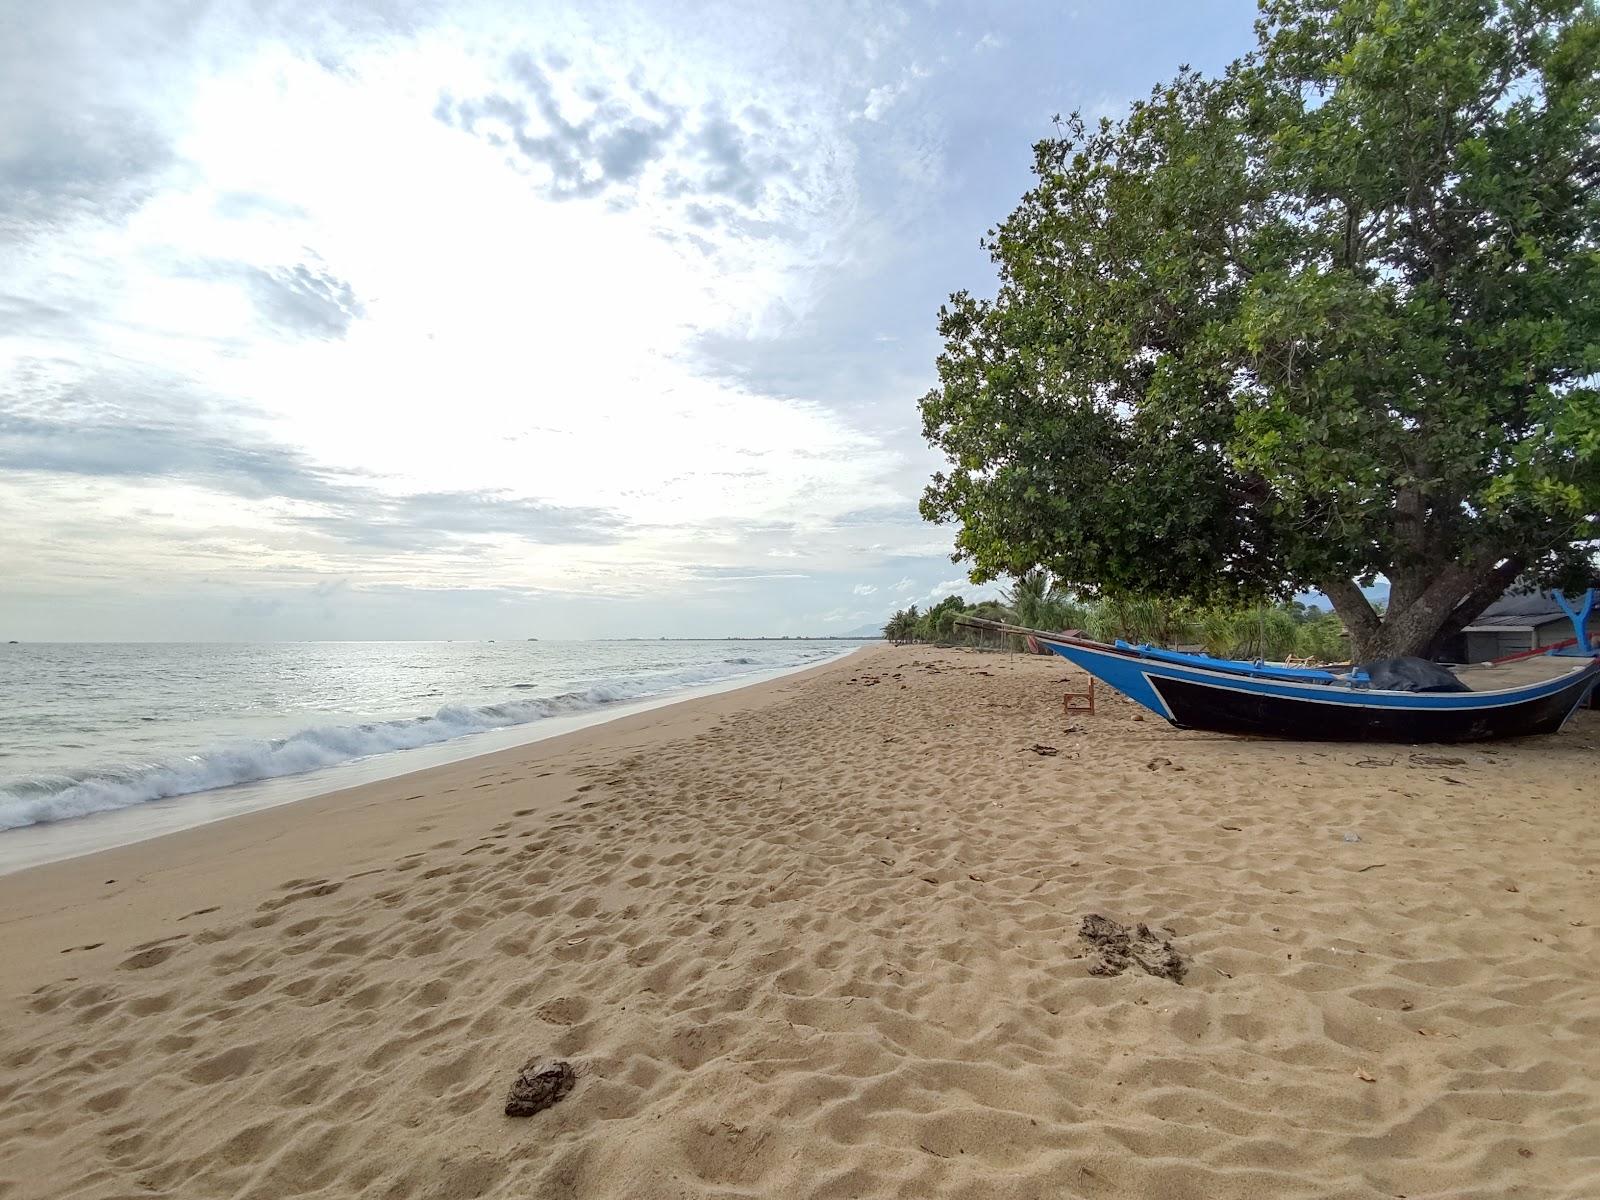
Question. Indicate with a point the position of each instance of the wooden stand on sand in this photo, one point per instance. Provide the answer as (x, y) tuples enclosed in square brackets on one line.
[(1079, 701)]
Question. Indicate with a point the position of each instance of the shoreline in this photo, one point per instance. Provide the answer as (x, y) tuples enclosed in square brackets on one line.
[(39, 844), (354, 825), (821, 936)]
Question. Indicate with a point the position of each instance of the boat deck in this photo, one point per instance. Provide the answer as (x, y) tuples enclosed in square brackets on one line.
[(1489, 677)]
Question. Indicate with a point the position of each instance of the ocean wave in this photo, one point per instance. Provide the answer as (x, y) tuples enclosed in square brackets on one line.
[(58, 797)]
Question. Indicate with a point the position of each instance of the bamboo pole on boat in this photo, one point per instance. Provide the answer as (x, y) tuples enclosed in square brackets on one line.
[(1020, 630)]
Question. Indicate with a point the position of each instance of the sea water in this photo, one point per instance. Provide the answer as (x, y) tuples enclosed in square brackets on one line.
[(90, 728)]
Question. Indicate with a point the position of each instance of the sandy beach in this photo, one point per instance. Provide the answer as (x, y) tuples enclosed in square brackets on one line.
[(820, 938)]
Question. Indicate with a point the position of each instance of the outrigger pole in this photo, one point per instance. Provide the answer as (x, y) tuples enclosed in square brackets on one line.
[(1580, 624)]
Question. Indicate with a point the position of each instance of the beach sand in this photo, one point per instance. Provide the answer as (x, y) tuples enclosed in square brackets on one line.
[(820, 938)]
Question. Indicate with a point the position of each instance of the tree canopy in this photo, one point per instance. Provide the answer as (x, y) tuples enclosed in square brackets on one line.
[(1329, 316)]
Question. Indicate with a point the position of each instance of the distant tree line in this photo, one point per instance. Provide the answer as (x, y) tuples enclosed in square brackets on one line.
[(1270, 631)]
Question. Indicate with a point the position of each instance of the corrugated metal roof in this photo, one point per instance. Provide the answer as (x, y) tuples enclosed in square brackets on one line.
[(1534, 604), (1493, 621)]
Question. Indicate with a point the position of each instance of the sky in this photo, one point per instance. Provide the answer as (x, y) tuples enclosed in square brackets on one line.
[(395, 319)]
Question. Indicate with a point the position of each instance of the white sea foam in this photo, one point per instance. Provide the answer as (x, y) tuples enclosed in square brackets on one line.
[(53, 798)]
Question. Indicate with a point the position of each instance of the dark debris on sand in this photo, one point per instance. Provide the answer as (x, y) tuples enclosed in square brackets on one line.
[(541, 1083), (1119, 948)]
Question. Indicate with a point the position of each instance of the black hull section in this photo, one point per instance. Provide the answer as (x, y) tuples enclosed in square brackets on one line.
[(1230, 710)]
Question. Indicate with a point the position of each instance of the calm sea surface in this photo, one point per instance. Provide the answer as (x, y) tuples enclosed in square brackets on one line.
[(87, 728)]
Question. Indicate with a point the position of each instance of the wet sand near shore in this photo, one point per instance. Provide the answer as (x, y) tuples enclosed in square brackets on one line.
[(822, 937)]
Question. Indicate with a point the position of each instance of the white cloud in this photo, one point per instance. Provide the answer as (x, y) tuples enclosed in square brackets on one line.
[(421, 314), (882, 98), (840, 616), (966, 589), (863, 589), (487, 300)]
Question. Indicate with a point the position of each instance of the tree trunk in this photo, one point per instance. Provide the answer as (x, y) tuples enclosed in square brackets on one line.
[(1447, 603), (1467, 610)]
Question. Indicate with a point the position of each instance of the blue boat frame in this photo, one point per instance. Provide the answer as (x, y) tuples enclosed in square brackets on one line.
[(1234, 666)]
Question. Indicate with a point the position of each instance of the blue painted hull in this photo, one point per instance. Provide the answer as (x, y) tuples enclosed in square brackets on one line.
[(1220, 698)]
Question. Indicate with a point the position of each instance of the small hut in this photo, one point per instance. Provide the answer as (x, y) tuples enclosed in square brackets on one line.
[(1513, 624)]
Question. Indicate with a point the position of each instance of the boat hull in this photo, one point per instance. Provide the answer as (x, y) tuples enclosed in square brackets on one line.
[(1196, 706), (1195, 698)]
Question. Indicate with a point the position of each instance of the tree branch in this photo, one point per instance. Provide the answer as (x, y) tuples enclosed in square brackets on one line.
[(1411, 573), (1416, 628), (1353, 607), (1470, 606)]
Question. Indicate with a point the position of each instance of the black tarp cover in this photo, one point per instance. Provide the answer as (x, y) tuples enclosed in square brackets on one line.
[(1411, 675)]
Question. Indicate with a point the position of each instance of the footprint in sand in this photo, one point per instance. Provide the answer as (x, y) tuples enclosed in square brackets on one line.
[(153, 957)]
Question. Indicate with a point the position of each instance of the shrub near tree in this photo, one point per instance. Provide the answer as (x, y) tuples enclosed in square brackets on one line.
[(1330, 316), (1036, 602)]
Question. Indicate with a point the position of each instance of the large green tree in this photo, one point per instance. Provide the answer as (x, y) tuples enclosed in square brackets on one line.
[(1330, 316)]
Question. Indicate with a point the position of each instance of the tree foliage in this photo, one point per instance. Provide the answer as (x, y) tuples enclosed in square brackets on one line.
[(1332, 315), (1039, 602), (938, 624)]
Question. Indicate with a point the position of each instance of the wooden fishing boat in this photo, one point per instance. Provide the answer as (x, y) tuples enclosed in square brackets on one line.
[(1195, 691), (1536, 695)]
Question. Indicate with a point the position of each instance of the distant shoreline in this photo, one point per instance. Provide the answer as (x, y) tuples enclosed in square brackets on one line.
[(510, 641)]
